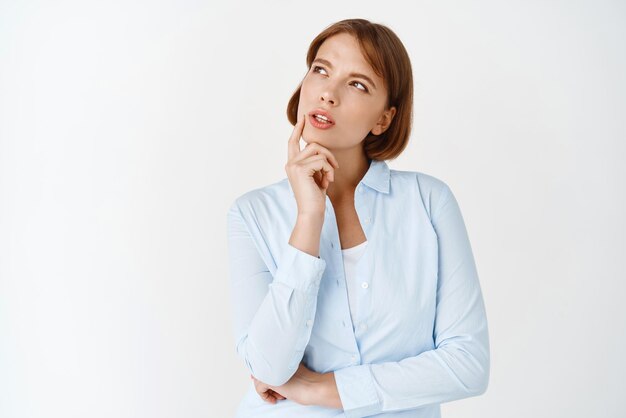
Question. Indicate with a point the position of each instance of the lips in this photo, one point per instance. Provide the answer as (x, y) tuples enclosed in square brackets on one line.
[(322, 113)]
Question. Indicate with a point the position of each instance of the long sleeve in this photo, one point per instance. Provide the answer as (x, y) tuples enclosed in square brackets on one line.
[(458, 366), (273, 314)]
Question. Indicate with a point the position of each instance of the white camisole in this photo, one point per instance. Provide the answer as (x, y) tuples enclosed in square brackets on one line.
[(350, 257)]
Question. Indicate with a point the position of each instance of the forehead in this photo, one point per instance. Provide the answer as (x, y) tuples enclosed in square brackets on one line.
[(343, 49)]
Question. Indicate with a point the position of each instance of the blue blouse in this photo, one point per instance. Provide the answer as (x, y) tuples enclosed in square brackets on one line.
[(420, 337)]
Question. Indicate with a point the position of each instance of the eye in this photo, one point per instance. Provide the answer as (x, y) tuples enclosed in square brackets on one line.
[(316, 67), (363, 85)]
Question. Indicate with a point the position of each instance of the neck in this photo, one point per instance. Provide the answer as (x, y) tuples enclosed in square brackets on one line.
[(352, 168)]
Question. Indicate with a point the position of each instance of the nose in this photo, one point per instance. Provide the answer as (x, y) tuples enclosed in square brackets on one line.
[(327, 98), (328, 95)]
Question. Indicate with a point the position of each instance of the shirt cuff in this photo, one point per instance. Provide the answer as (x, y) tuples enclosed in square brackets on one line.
[(299, 270), (357, 392)]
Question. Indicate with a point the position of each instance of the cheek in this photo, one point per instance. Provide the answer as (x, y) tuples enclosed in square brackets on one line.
[(306, 85), (363, 123)]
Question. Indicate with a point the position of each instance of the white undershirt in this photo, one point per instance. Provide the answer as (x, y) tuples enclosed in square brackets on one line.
[(350, 257)]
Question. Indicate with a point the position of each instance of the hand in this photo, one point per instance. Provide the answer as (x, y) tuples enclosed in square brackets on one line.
[(310, 171), (264, 391), (302, 388)]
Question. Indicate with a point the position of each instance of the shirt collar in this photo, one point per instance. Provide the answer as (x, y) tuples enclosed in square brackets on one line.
[(377, 177)]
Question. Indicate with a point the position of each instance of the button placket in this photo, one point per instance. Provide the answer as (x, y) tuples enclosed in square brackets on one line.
[(364, 207), (331, 233)]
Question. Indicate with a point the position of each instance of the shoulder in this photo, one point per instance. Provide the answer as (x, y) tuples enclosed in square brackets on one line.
[(433, 191), (427, 184), (270, 197)]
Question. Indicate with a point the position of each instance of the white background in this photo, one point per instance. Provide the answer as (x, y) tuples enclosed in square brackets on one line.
[(127, 128)]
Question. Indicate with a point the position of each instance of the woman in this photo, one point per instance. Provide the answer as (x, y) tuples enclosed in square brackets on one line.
[(354, 287)]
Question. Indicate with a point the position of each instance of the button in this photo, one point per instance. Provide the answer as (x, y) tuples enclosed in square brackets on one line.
[(309, 322), (353, 358), (368, 220), (364, 285), (361, 190), (363, 326)]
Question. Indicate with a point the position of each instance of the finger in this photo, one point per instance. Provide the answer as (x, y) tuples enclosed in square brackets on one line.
[(277, 395), (318, 163), (266, 397), (325, 183), (293, 145), (319, 179), (271, 396), (314, 148)]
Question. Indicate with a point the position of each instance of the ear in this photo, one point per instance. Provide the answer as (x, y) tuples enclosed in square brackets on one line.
[(384, 121)]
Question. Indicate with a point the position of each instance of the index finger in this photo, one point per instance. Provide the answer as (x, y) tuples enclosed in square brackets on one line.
[(293, 145)]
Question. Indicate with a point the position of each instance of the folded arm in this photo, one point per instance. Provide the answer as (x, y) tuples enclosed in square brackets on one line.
[(458, 366), (273, 314)]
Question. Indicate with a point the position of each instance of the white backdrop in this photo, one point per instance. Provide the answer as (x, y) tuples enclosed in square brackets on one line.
[(127, 128)]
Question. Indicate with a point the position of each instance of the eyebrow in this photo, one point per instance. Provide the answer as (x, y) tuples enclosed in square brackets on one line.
[(363, 76)]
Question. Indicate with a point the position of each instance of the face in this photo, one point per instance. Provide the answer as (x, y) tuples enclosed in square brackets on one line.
[(343, 86)]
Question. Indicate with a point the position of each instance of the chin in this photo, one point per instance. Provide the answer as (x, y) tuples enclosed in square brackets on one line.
[(316, 136), (306, 139)]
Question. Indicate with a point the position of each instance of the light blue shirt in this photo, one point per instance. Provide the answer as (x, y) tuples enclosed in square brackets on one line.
[(420, 337)]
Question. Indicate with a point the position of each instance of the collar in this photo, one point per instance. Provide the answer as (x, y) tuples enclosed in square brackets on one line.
[(377, 177)]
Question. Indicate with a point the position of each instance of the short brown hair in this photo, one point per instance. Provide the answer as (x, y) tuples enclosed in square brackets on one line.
[(384, 51)]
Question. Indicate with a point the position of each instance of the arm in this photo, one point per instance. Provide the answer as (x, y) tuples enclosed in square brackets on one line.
[(458, 367), (272, 314)]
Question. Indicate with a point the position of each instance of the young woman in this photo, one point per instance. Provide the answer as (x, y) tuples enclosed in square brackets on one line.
[(354, 287)]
